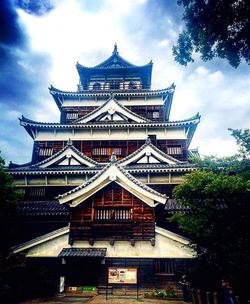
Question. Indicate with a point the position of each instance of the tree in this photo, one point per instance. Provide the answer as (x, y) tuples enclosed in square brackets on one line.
[(9, 195), (214, 28), (242, 138), (217, 198)]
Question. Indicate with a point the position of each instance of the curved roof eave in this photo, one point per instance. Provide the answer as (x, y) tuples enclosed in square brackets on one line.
[(175, 123), (89, 93)]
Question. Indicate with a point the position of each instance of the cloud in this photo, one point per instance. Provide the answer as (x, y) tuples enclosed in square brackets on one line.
[(22, 79), (35, 7), (43, 40)]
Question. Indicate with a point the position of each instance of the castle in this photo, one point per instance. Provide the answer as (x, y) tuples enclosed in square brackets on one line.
[(100, 182)]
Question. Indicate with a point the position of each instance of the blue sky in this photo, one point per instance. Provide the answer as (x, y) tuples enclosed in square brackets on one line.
[(41, 41)]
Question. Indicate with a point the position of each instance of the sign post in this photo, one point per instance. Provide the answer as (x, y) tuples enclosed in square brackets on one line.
[(122, 276)]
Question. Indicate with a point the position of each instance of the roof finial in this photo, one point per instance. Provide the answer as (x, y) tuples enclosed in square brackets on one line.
[(148, 141), (69, 143), (113, 158), (115, 51)]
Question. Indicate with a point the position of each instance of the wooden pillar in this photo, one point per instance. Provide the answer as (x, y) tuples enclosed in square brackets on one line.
[(62, 278), (215, 294), (208, 296), (199, 297)]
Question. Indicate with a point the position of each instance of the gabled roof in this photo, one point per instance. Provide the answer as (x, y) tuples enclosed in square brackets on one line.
[(114, 61), (112, 173), (149, 154), (115, 66), (61, 96), (112, 111), (41, 239), (68, 156), (83, 252)]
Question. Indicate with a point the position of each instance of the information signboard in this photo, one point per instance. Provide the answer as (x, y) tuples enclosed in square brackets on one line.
[(122, 275)]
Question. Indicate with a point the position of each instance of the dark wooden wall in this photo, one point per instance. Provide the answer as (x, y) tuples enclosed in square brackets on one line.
[(148, 112), (140, 225), (126, 147)]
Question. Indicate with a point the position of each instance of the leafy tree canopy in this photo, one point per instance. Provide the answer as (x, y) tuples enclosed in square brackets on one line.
[(214, 28), (9, 195), (217, 198)]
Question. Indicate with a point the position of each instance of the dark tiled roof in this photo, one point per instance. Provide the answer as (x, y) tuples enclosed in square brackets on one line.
[(173, 205), (41, 208), (186, 122), (83, 252), (193, 153)]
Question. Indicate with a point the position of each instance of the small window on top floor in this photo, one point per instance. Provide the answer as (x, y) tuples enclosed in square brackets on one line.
[(115, 85), (97, 86), (106, 151), (118, 214), (72, 116), (174, 150), (45, 151), (164, 266), (132, 85), (37, 191), (155, 114)]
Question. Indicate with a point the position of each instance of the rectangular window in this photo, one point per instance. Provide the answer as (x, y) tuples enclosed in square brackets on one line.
[(155, 114), (164, 266), (37, 191), (106, 151), (72, 115), (174, 150), (45, 151), (105, 214)]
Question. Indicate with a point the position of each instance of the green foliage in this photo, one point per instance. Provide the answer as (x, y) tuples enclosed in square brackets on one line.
[(169, 293), (218, 220), (243, 141), (9, 196), (214, 29)]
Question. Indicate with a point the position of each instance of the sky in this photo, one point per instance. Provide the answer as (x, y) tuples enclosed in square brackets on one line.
[(41, 41)]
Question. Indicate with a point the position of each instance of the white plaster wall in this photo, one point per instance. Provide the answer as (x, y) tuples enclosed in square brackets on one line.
[(111, 134), (165, 247)]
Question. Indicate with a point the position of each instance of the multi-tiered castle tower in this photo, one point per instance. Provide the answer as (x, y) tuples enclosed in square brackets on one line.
[(108, 168)]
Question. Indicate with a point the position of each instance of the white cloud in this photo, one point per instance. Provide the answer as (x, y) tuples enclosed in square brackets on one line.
[(71, 33)]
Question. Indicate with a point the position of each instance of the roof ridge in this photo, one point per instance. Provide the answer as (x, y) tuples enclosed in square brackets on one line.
[(111, 97)]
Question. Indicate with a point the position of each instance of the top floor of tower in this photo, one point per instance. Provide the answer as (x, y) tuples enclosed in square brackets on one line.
[(114, 74)]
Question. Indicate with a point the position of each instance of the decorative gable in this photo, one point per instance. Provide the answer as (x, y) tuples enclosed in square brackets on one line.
[(149, 154), (112, 111), (112, 173), (68, 156)]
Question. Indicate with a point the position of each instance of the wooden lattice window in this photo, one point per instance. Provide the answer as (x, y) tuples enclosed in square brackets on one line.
[(174, 150), (118, 214), (155, 114), (164, 266), (106, 151), (45, 151), (72, 115)]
